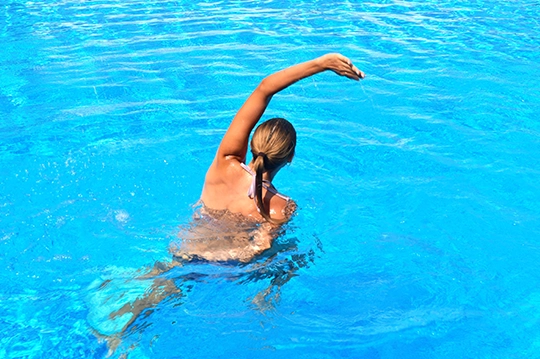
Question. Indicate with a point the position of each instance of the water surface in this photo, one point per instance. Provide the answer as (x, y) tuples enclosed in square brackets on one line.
[(417, 232)]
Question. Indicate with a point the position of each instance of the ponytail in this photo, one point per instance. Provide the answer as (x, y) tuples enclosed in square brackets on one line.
[(259, 166)]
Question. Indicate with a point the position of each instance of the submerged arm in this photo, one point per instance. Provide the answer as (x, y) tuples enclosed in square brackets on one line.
[(235, 141)]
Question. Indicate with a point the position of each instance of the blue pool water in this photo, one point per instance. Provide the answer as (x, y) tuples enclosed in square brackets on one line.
[(418, 231)]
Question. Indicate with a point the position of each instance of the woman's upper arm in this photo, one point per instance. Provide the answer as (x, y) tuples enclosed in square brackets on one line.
[(235, 141)]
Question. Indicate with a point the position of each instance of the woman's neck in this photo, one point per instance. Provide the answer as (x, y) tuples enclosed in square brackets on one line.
[(268, 175)]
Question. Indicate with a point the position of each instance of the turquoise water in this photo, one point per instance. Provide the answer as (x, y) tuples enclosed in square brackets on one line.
[(417, 234)]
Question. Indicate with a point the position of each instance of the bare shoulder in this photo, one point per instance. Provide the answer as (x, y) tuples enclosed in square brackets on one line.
[(281, 208), (223, 184), (223, 170)]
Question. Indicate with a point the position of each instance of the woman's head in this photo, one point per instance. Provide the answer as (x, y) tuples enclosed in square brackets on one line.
[(276, 138), (272, 145)]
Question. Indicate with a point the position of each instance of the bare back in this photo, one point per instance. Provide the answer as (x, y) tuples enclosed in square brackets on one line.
[(227, 189)]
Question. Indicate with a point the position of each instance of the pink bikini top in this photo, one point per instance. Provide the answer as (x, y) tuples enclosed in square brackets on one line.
[(266, 184)]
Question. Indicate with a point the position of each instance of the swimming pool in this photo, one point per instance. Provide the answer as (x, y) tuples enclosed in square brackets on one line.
[(417, 234)]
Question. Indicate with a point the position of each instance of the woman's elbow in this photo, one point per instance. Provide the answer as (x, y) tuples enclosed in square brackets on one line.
[(266, 88)]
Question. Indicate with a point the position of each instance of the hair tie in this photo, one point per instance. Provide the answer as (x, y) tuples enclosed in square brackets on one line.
[(262, 154)]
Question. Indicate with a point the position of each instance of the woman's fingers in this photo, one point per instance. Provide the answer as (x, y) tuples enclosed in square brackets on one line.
[(345, 67), (358, 72), (351, 72)]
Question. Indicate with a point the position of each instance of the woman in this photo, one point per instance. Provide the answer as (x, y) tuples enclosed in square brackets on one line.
[(241, 210), (234, 188)]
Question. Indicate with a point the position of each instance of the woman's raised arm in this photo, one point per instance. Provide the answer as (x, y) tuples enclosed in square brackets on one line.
[(235, 141)]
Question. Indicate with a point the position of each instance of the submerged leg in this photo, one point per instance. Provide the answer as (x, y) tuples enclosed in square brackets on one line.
[(160, 289)]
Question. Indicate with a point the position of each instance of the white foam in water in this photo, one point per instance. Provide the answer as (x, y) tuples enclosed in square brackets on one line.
[(121, 216)]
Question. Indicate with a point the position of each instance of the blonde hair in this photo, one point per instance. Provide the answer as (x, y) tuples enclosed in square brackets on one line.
[(272, 145)]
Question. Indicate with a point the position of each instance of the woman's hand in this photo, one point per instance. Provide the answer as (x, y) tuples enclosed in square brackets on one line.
[(341, 65)]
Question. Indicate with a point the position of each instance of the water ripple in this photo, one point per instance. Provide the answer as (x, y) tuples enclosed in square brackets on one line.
[(113, 110)]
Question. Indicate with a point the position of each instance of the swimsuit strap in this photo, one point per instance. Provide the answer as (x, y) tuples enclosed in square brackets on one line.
[(266, 184)]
